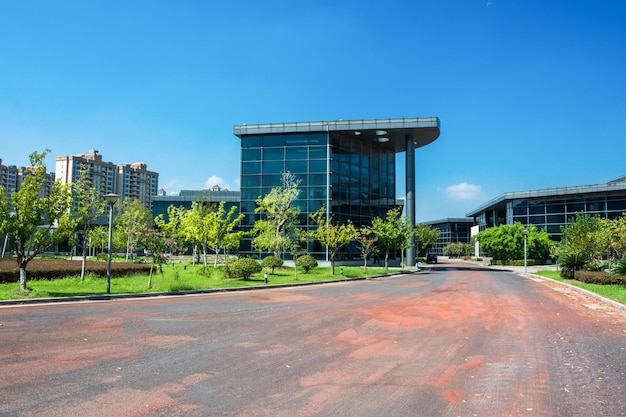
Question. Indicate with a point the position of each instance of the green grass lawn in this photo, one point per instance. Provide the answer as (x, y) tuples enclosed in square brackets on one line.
[(612, 292), (175, 277)]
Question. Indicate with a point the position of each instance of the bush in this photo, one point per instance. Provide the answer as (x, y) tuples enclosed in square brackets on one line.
[(599, 277), (271, 262), (243, 268), (519, 262), (306, 262), (570, 263), (620, 267)]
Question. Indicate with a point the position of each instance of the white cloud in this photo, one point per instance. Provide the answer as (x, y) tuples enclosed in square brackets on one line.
[(463, 191), (215, 180)]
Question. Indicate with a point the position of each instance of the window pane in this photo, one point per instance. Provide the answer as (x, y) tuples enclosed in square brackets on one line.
[(252, 154), (296, 152), (273, 154), (274, 140), (317, 152), (317, 165), (297, 166), (273, 167), (250, 167)]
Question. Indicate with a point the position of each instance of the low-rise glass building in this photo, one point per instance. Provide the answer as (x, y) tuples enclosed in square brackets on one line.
[(552, 208)]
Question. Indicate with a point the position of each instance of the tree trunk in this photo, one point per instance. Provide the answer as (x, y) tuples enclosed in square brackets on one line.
[(365, 263), (206, 265), (23, 277), (150, 276), (83, 267), (386, 259)]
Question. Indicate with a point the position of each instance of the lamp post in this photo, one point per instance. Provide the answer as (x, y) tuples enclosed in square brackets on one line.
[(525, 233), (111, 199)]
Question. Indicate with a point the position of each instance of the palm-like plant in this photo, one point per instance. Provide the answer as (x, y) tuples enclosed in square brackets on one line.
[(570, 263), (620, 267)]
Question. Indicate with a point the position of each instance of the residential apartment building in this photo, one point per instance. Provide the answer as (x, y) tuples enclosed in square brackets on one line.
[(11, 178), (128, 180)]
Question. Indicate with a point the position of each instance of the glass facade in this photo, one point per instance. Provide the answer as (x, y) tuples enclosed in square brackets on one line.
[(353, 179), (450, 231), (551, 214)]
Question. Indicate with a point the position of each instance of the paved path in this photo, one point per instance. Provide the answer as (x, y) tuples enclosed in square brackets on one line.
[(452, 340)]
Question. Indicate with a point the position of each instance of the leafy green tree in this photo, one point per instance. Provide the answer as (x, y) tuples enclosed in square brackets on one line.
[(134, 217), (425, 237), (36, 222), (366, 243), (393, 233), (220, 229), (457, 250), (586, 235), (277, 228), (158, 244), (333, 236), (506, 242), (87, 206)]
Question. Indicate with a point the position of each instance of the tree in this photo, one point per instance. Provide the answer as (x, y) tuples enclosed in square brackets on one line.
[(36, 223), (331, 235), (134, 216), (586, 235), (393, 232), (87, 206), (506, 242), (220, 229), (366, 243), (158, 245), (272, 262), (276, 230), (425, 237)]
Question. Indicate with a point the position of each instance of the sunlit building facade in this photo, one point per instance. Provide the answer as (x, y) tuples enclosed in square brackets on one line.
[(551, 209), (348, 167)]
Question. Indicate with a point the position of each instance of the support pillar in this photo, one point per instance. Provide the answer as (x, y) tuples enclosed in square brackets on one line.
[(411, 253)]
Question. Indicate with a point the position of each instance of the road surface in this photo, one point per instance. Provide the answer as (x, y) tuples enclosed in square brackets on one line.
[(452, 340)]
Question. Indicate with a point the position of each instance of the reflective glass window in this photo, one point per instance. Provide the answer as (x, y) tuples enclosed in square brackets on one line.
[(556, 208), (273, 166), (273, 154), (318, 139), (250, 193), (318, 165), (317, 152), (250, 167), (536, 219), (250, 180), (536, 208), (556, 218), (317, 192), (317, 179), (273, 140), (296, 166), (574, 206), (517, 211), (272, 180), (296, 152), (595, 205), (251, 142), (297, 139), (616, 204), (251, 154)]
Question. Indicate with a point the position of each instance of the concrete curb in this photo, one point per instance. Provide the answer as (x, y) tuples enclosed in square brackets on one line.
[(109, 297)]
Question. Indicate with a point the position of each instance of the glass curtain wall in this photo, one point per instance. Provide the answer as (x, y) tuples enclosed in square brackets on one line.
[(360, 175), (263, 160)]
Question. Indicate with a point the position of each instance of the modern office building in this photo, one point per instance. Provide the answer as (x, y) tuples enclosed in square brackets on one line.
[(451, 230), (347, 166), (552, 208), (128, 180), (185, 198)]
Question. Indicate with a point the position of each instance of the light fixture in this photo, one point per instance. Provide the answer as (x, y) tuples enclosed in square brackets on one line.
[(111, 199), (382, 140), (381, 132)]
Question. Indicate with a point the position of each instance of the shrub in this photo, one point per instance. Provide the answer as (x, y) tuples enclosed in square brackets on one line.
[(306, 262), (620, 267), (244, 268), (599, 277), (571, 263), (271, 262)]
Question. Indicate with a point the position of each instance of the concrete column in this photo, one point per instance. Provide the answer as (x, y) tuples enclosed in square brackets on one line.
[(411, 252)]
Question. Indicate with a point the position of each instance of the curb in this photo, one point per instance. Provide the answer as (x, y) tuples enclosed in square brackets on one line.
[(109, 297)]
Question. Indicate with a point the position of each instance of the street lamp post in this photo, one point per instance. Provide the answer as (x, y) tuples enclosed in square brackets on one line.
[(525, 233), (111, 199)]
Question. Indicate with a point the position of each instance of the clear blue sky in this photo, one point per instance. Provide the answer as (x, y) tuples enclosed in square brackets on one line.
[(530, 94)]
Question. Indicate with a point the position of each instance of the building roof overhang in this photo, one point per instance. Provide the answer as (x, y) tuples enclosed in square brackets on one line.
[(389, 133)]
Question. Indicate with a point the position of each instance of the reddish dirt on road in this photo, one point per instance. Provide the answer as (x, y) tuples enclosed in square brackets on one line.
[(452, 340)]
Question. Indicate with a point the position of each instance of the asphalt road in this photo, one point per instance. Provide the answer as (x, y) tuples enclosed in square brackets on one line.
[(453, 340)]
